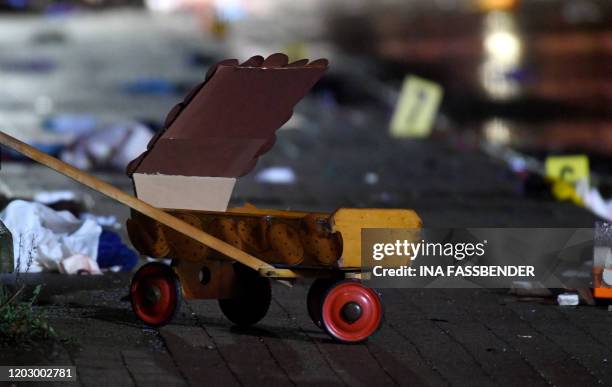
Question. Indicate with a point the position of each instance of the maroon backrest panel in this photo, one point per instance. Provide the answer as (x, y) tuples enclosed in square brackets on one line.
[(223, 126)]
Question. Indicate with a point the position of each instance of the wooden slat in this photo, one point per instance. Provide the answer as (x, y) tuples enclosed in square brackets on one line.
[(350, 221), (144, 208)]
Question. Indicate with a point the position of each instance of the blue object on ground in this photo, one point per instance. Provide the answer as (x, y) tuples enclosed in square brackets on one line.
[(71, 123), (35, 66), (157, 86), (113, 252), (51, 149), (17, 3)]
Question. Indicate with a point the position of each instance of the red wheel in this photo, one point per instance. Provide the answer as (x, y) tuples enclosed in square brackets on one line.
[(155, 294), (351, 312)]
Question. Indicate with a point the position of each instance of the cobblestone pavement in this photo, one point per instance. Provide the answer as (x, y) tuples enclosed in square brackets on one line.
[(429, 337)]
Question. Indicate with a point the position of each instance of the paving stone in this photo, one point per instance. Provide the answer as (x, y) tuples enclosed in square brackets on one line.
[(245, 352), (193, 355), (550, 360), (493, 355)]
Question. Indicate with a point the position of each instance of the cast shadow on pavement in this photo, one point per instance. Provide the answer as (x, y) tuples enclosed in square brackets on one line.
[(125, 316)]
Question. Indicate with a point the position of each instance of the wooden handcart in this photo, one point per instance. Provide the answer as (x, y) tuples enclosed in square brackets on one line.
[(231, 256)]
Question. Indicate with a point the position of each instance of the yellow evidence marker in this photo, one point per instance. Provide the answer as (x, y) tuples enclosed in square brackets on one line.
[(416, 108), (565, 172)]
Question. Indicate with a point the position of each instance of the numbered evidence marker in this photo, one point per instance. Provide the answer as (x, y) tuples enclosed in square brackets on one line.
[(416, 108), (565, 171), (295, 51), (567, 168)]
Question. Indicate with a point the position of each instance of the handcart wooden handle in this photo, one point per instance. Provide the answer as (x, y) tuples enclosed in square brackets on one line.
[(163, 217)]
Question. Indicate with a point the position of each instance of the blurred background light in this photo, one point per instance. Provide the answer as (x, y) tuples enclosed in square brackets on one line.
[(502, 55), (496, 132), (491, 5), (503, 46)]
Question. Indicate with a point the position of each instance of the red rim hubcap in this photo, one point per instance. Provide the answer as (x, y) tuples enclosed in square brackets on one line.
[(154, 295), (351, 311)]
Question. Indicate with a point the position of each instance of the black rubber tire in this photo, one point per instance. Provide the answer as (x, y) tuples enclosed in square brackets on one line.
[(252, 302), (314, 299)]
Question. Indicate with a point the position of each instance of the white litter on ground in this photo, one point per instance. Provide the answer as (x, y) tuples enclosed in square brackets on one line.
[(79, 264), (276, 175), (48, 237), (109, 221), (371, 178), (568, 299), (113, 146), (49, 197)]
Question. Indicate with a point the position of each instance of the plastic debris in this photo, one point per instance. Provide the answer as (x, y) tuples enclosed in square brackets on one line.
[(74, 202), (151, 86), (113, 254), (43, 238), (108, 221), (71, 123), (593, 200), (58, 240), (371, 178), (79, 264), (276, 175), (49, 197), (111, 147), (568, 299), (28, 66)]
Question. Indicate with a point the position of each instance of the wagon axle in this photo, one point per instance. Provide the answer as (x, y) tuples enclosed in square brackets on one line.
[(351, 312)]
